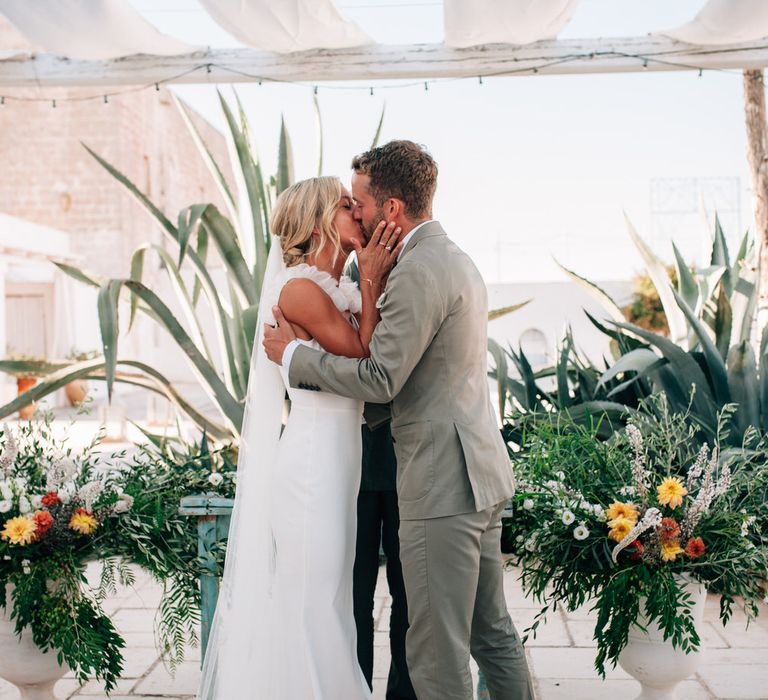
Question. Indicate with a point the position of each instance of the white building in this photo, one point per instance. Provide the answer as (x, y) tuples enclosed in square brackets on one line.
[(540, 325)]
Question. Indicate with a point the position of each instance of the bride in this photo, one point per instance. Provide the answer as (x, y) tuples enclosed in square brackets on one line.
[(284, 626)]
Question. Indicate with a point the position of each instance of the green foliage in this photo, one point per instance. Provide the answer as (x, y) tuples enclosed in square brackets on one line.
[(241, 237), (646, 309), (708, 354), (53, 602), (565, 532), (156, 537)]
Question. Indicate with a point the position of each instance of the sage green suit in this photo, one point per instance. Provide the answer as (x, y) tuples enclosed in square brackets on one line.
[(429, 358)]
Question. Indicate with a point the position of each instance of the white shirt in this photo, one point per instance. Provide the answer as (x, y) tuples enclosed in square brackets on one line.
[(291, 347)]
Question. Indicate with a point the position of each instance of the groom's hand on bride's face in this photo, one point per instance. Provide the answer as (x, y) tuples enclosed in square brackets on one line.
[(277, 337)]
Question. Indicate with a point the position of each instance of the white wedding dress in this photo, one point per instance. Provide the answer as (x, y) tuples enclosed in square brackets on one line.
[(284, 626), (314, 521)]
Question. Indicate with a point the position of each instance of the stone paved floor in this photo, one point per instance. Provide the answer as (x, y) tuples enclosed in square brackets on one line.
[(561, 656)]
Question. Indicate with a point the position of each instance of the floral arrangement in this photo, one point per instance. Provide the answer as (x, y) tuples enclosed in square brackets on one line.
[(60, 510), (156, 537), (55, 508), (616, 523)]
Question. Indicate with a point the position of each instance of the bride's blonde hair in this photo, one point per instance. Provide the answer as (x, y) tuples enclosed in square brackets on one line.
[(300, 209)]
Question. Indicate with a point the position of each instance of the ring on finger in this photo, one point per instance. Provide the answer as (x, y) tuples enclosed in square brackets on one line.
[(388, 247)]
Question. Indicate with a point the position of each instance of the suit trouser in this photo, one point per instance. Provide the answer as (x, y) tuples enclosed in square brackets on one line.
[(453, 574), (377, 523)]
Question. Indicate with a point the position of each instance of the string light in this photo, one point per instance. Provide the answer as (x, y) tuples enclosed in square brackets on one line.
[(371, 92), (106, 100), (545, 62)]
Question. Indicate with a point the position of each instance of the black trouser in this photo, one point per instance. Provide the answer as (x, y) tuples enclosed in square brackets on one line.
[(377, 523)]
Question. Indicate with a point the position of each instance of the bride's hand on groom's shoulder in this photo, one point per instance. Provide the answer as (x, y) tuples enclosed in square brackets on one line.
[(376, 260), (277, 337)]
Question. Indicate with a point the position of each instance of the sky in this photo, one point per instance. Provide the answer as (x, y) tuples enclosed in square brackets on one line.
[(532, 169)]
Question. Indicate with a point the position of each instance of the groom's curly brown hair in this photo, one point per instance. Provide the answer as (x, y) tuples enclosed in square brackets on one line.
[(402, 170)]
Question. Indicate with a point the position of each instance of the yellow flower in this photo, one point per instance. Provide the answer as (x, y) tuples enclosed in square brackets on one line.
[(19, 530), (670, 550), (83, 522), (620, 528), (617, 509), (671, 491)]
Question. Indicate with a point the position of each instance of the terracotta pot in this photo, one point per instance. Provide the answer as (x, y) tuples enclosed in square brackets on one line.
[(654, 662), (25, 384), (22, 663), (76, 391)]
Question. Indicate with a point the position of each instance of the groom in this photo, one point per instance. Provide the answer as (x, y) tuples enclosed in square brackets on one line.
[(428, 357)]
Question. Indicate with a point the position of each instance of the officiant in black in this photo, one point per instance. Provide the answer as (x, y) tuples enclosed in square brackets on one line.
[(377, 527)]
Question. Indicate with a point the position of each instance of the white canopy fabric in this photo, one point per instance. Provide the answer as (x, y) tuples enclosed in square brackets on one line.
[(89, 29), (107, 29), (286, 26), (13, 44), (722, 22), (475, 22)]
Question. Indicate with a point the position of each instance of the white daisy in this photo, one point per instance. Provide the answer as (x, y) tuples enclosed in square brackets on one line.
[(581, 532)]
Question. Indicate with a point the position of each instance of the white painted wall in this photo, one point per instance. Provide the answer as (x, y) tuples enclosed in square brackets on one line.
[(554, 307)]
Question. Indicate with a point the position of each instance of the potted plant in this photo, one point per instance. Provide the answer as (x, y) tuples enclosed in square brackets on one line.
[(639, 526), (55, 508), (26, 377), (77, 389)]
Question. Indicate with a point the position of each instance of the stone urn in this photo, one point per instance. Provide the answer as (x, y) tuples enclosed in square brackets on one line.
[(32, 671), (653, 661)]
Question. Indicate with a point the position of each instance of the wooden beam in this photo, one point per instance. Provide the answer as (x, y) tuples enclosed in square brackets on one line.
[(379, 62), (757, 154)]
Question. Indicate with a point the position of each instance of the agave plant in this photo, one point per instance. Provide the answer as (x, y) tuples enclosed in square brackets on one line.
[(572, 384), (241, 236), (722, 296), (708, 361)]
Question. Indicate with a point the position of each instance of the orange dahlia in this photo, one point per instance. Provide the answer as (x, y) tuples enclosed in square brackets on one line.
[(669, 530), (51, 499), (44, 521), (695, 547)]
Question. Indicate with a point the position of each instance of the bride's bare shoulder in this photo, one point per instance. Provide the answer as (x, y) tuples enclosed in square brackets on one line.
[(300, 289), (301, 297)]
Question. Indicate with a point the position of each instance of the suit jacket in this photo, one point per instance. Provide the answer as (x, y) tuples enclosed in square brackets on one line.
[(429, 358)]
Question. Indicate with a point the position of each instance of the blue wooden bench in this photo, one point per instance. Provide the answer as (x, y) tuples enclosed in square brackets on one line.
[(213, 515)]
